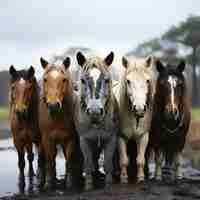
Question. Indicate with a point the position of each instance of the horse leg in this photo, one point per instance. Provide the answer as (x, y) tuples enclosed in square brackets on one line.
[(41, 165), (30, 157), (50, 152), (123, 160), (109, 150), (21, 162), (88, 163), (67, 150), (178, 165), (158, 161), (141, 149), (21, 166)]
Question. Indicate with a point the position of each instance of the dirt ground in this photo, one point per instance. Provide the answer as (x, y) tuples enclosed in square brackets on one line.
[(150, 190), (188, 189)]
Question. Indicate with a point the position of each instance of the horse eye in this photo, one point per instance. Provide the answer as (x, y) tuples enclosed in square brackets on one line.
[(128, 82), (45, 80), (82, 81), (64, 80)]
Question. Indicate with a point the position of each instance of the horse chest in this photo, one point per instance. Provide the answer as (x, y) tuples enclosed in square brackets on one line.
[(132, 129)]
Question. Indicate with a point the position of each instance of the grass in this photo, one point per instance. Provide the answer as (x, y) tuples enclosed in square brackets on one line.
[(196, 113), (4, 112)]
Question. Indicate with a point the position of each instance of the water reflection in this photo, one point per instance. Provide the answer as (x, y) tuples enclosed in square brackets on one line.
[(9, 171)]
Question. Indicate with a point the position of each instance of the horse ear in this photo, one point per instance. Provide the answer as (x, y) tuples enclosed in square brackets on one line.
[(43, 62), (181, 66), (67, 62), (31, 71), (124, 61), (159, 66), (148, 61), (80, 59), (13, 71), (109, 58)]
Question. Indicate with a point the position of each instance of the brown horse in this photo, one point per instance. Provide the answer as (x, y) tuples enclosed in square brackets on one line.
[(56, 116), (24, 116), (171, 117)]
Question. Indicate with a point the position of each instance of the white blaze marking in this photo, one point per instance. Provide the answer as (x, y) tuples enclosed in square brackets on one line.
[(95, 73), (22, 81), (172, 82), (139, 90), (54, 74)]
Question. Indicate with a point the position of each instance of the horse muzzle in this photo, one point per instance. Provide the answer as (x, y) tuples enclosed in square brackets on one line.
[(54, 107), (140, 112), (22, 114)]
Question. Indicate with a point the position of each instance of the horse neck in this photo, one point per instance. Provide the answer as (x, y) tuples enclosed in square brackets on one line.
[(123, 95)]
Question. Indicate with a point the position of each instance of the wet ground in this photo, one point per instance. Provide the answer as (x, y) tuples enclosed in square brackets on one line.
[(188, 189)]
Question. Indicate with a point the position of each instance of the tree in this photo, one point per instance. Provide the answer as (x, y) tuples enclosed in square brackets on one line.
[(188, 33)]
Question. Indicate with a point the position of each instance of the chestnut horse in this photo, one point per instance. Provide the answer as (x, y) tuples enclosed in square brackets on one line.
[(24, 116), (134, 94), (171, 117), (56, 113), (96, 116)]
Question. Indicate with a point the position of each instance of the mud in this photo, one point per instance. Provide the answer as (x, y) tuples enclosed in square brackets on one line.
[(168, 189)]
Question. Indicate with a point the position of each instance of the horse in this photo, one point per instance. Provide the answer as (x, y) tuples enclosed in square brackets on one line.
[(96, 116), (56, 117), (23, 97), (134, 94), (171, 117)]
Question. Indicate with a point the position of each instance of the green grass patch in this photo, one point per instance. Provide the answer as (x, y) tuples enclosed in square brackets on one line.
[(4, 112), (196, 113)]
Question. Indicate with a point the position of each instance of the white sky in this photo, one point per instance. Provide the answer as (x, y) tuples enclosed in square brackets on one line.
[(34, 28)]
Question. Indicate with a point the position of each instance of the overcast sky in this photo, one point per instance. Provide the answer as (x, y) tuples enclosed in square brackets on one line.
[(34, 28)]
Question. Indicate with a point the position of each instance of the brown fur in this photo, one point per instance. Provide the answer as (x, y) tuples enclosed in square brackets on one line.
[(57, 128), (23, 96)]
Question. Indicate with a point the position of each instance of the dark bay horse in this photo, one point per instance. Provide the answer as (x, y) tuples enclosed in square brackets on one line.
[(56, 113), (23, 96), (171, 117), (96, 116)]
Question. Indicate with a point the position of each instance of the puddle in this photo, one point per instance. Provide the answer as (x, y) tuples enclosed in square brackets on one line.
[(9, 169)]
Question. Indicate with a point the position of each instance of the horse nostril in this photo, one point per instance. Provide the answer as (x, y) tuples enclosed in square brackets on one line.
[(134, 107), (53, 106), (88, 111)]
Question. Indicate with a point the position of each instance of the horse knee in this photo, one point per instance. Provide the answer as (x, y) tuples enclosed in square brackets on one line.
[(140, 161)]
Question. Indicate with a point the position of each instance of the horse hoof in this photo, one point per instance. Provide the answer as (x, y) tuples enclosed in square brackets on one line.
[(158, 178), (124, 179), (88, 183), (88, 187), (108, 189), (178, 179), (140, 179), (68, 182)]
